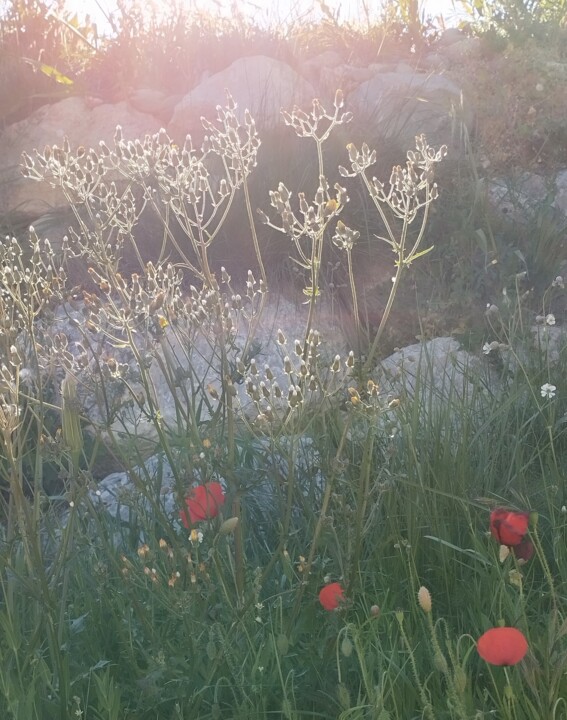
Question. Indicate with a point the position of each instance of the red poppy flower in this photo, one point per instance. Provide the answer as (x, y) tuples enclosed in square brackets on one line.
[(331, 596), (203, 502), (502, 646), (509, 527)]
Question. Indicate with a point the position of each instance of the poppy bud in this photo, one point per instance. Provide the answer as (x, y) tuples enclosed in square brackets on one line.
[(375, 611), (424, 599), (228, 526), (346, 647)]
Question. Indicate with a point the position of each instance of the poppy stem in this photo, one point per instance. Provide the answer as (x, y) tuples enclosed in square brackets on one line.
[(425, 701), (361, 506), (320, 520), (509, 697), (545, 566)]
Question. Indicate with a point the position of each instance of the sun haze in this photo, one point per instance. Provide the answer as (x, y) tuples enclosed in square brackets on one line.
[(265, 12)]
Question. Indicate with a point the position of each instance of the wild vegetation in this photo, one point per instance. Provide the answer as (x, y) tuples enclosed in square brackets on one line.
[(308, 543)]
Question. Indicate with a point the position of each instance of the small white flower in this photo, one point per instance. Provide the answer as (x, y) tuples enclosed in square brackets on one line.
[(196, 537), (550, 319), (548, 390), (558, 282)]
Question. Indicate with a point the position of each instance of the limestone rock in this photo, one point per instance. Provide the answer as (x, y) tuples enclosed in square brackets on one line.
[(440, 365), (450, 36), (518, 197), (154, 102), (345, 77), (312, 68), (402, 105), (462, 51), (258, 83), (189, 355)]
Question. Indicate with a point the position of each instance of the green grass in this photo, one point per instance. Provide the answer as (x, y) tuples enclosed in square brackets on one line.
[(89, 625)]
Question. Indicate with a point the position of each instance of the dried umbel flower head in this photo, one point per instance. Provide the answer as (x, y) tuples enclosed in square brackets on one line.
[(176, 181), (318, 123), (9, 418), (345, 237), (410, 188), (32, 281)]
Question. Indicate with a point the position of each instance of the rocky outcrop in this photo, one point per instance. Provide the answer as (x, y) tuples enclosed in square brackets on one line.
[(260, 84), (192, 356), (395, 100), (441, 367), (400, 105), (519, 197), (439, 370)]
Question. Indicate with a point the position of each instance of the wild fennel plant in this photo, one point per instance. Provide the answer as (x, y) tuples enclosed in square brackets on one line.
[(134, 329)]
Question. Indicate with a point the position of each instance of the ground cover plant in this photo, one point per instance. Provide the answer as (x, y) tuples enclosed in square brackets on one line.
[(334, 549)]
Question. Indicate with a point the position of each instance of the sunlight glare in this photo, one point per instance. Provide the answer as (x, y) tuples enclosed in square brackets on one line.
[(266, 13)]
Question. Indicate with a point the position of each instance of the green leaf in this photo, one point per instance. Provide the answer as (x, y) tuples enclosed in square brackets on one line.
[(52, 72), (408, 261), (465, 551)]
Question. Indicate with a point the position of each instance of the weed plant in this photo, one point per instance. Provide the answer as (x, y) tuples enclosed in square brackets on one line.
[(517, 20), (329, 552)]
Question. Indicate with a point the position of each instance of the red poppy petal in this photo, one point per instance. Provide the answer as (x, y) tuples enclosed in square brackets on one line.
[(197, 504), (502, 646), (524, 550), (331, 596), (509, 527), (203, 502), (216, 493)]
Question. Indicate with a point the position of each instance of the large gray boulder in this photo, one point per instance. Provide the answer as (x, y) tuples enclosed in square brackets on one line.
[(258, 83), (192, 357), (519, 197), (438, 366), (401, 105)]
